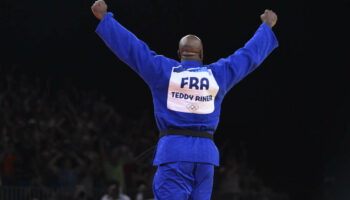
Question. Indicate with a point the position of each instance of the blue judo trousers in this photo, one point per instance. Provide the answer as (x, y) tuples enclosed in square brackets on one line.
[(186, 96)]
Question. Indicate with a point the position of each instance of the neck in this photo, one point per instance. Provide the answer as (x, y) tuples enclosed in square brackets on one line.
[(191, 59)]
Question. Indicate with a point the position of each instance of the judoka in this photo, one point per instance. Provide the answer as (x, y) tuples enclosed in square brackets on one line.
[(187, 98)]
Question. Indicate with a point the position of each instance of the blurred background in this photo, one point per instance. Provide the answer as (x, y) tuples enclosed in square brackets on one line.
[(75, 121)]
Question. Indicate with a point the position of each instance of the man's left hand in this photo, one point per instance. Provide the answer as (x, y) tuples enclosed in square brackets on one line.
[(269, 17)]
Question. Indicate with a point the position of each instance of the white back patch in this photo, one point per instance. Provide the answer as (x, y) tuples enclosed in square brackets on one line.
[(192, 90)]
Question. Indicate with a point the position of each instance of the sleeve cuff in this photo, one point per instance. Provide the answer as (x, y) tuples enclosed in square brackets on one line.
[(269, 29), (106, 17)]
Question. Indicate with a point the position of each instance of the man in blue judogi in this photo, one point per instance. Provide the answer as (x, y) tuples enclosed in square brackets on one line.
[(187, 98)]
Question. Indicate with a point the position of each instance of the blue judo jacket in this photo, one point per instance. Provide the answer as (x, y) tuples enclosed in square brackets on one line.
[(186, 95)]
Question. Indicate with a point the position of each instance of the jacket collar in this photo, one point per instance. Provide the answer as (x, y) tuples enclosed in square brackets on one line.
[(191, 63)]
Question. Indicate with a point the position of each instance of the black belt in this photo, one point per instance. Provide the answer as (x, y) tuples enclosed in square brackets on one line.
[(193, 133)]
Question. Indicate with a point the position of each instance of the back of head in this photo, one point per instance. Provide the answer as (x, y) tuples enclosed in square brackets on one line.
[(190, 48)]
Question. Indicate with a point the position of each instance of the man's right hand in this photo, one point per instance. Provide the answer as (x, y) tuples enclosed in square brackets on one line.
[(99, 9)]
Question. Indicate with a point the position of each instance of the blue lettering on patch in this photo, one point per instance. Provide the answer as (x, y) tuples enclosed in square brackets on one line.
[(183, 82), (194, 83), (204, 83)]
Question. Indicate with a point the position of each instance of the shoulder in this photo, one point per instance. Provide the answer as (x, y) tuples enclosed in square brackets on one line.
[(216, 67), (169, 61)]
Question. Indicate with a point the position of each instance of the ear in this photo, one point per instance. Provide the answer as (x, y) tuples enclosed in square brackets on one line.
[(178, 53), (201, 55)]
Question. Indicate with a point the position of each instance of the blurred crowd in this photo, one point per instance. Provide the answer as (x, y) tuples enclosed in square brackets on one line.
[(54, 138)]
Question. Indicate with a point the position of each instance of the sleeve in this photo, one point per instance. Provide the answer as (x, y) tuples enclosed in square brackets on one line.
[(128, 48), (248, 58)]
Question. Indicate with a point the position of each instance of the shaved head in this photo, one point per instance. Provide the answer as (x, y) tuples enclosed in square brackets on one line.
[(190, 48)]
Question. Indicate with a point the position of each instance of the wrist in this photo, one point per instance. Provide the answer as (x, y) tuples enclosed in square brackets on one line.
[(269, 24), (102, 15)]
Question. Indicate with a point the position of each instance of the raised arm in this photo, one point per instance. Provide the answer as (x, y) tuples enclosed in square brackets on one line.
[(246, 59), (53, 163), (126, 45)]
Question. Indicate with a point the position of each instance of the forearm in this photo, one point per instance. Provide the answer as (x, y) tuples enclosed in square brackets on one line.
[(249, 57), (261, 44), (122, 42), (134, 52)]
